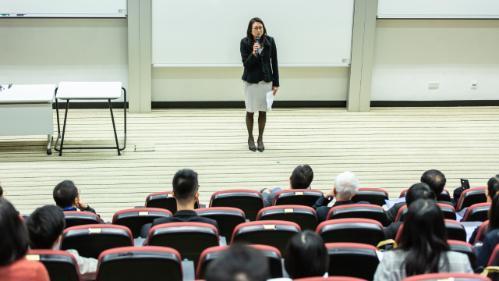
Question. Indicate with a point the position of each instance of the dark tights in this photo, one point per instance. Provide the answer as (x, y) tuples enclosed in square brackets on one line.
[(262, 119)]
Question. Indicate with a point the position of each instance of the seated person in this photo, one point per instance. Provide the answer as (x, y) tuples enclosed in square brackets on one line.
[(492, 191), (67, 198), (1, 191), (14, 242), (423, 247), (300, 178), (239, 263), (492, 236), (306, 255), (416, 191), (185, 190), (436, 181), (345, 187), (45, 227)]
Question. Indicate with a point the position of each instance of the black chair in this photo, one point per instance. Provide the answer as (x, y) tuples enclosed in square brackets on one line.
[(164, 200), (140, 263), (447, 276), (60, 265), (480, 233), (345, 258), (465, 248), (306, 197), (477, 212), (448, 211), (373, 195), (304, 216), (75, 218), (471, 196), (188, 238), (444, 196), (92, 239), (355, 230), (366, 211), (135, 218), (250, 201), (273, 233), (227, 218)]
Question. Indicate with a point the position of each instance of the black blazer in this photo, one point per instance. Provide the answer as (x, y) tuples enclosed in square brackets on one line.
[(261, 67)]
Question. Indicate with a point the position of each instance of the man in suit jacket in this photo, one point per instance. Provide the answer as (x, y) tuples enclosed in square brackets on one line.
[(185, 190)]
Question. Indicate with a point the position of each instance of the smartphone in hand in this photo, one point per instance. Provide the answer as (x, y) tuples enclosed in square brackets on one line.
[(465, 183)]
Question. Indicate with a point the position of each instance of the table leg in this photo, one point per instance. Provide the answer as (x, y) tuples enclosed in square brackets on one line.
[(49, 144), (64, 127), (114, 127)]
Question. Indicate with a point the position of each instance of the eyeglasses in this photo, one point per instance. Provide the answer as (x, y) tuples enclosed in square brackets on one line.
[(258, 28)]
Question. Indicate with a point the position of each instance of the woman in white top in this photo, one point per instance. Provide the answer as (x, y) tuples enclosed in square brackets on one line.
[(423, 247)]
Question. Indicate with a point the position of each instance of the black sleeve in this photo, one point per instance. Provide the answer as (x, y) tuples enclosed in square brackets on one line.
[(275, 66), (89, 209), (247, 56)]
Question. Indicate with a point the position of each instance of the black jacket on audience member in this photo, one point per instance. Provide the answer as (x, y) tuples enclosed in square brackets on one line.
[(180, 216)]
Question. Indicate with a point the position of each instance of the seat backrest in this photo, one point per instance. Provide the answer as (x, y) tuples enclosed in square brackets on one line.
[(135, 218), (448, 211), (373, 195), (140, 263), (471, 196), (444, 196), (227, 218), (334, 278), (480, 233), (494, 257), (306, 197), (60, 265), (92, 239), (366, 211), (188, 238), (345, 258), (477, 212), (465, 248), (447, 276), (268, 232), (212, 253), (164, 200), (304, 216), (250, 201), (75, 218), (355, 230), (455, 230)]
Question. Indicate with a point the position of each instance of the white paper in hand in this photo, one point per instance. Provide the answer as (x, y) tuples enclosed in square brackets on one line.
[(270, 100)]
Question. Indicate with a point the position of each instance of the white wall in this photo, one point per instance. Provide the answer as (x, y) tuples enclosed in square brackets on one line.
[(51, 50), (410, 54), (225, 84)]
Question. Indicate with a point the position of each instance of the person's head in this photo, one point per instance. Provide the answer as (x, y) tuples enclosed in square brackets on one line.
[(492, 187), (13, 235), (419, 191), (65, 194), (306, 255), (256, 28), (45, 227), (435, 180), (239, 263), (494, 213), (1, 191), (185, 187), (345, 186), (424, 237), (302, 177)]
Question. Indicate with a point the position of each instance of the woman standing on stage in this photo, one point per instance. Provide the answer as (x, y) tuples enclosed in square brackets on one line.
[(261, 75)]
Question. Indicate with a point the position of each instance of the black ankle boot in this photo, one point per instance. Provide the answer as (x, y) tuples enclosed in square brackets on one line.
[(251, 144), (261, 147)]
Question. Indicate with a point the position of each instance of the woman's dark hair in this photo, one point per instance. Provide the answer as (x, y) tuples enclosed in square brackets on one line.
[(13, 235), (185, 184), (301, 177), (492, 187), (417, 191), (306, 255), (65, 194), (45, 225), (424, 238), (435, 180), (250, 27), (494, 213), (1, 191)]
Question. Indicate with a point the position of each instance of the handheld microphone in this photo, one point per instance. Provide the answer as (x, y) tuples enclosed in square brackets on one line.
[(259, 50)]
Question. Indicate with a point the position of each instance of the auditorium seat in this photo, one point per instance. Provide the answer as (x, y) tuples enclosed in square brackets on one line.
[(272, 253), (447, 277), (75, 218), (273, 233), (92, 239), (60, 265), (227, 218), (250, 201), (354, 230), (492, 269), (189, 238), (334, 278), (477, 212), (135, 218), (366, 211), (448, 211), (465, 248), (373, 195), (455, 231), (471, 196), (164, 200), (140, 263), (480, 233), (305, 197), (345, 258), (304, 216), (444, 196)]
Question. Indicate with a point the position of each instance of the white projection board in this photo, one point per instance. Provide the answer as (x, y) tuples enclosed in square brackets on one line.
[(207, 33), (63, 8), (466, 9)]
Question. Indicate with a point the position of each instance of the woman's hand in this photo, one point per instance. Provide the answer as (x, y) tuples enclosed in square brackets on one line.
[(274, 90), (256, 46)]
